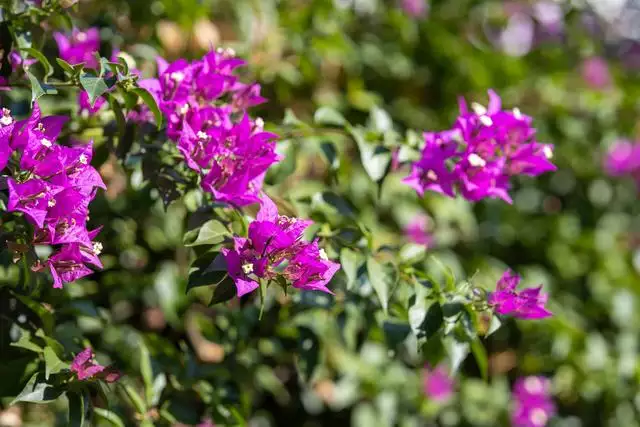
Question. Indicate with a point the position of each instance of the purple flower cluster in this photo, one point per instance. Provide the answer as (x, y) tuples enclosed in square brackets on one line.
[(205, 105), (85, 367), (533, 406), (479, 155), (274, 248), (79, 47), (527, 304), (52, 185), (624, 159)]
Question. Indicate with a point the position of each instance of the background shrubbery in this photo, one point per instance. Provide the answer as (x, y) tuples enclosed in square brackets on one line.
[(351, 85)]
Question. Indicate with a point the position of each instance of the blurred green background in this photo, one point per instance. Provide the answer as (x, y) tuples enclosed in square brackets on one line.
[(572, 66)]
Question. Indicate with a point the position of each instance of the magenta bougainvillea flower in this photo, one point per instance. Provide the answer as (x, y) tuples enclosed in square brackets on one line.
[(526, 304), (418, 230), (274, 248), (85, 367), (532, 402), (479, 155), (205, 106), (79, 47), (438, 385), (53, 188)]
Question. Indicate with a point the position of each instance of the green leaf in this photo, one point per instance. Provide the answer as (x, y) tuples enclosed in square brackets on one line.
[(79, 408), (209, 269), (26, 342), (328, 116), (350, 262), (224, 291), (109, 416), (121, 121), (457, 352), (412, 253), (95, 86), (382, 277), (53, 364), (494, 325), (375, 158), (37, 390), (146, 371), (395, 333), (38, 88), (135, 398), (48, 68), (210, 233), (331, 154), (66, 67), (150, 101), (480, 353), (379, 120)]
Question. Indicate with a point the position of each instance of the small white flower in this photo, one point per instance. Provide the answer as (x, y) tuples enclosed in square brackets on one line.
[(247, 268), (177, 76), (6, 118), (533, 385), (486, 120), (323, 255), (97, 248), (82, 159), (477, 161), (202, 136), (432, 175), (45, 142), (538, 417), (517, 114), (548, 152), (51, 203), (478, 109), (81, 36), (184, 109), (259, 123)]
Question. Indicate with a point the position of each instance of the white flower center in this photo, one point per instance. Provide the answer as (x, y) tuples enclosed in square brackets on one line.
[(6, 118), (81, 36), (533, 385), (51, 203), (538, 417), (247, 268), (177, 76), (202, 136), (45, 142), (517, 114), (323, 255), (432, 175), (259, 123), (82, 159), (548, 152), (184, 109), (478, 109), (486, 120), (475, 160), (97, 248)]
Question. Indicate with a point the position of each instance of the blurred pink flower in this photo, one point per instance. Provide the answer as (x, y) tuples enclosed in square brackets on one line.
[(417, 230), (533, 406), (415, 8), (623, 158), (595, 72), (438, 385)]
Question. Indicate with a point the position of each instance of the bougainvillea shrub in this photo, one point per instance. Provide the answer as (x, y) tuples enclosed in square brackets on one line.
[(328, 212)]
